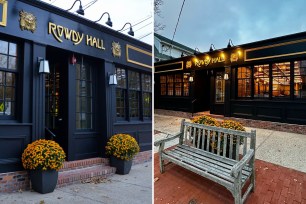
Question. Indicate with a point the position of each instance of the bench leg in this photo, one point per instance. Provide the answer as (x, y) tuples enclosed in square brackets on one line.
[(161, 161), (237, 190), (253, 173)]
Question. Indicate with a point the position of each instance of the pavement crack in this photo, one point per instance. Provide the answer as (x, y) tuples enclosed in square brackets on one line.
[(265, 140)]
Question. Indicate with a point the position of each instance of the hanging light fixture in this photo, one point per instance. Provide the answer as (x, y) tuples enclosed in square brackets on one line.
[(131, 32), (108, 22), (80, 10), (230, 43), (211, 47)]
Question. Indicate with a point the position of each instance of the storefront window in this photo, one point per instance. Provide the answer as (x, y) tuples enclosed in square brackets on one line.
[(133, 95), (163, 88), (300, 79), (244, 81), (121, 93), (147, 95), (8, 71), (261, 81), (220, 87), (170, 81), (84, 96), (134, 89), (281, 80)]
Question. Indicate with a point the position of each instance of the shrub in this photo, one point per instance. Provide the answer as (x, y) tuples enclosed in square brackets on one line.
[(122, 146), (44, 155), (205, 120)]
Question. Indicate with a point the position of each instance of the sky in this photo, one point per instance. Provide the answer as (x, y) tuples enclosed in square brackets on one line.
[(121, 12), (206, 22)]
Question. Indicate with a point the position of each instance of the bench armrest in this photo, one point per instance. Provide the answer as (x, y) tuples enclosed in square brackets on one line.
[(158, 142), (238, 167)]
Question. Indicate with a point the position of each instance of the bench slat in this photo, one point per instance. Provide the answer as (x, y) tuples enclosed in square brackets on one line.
[(219, 142), (216, 179), (217, 129), (224, 144), (226, 168), (212, 156), (208, 140), (199, 139), (237, 148), (231, 146), (208, 157), (201, 165), (245, 146), (194, 136), (203, 139)]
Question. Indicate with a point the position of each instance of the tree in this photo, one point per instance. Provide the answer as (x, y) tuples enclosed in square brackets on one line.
[(157, 11)]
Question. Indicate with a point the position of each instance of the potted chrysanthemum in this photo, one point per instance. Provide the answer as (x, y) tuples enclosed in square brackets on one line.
[(43, 158), (122, 148)]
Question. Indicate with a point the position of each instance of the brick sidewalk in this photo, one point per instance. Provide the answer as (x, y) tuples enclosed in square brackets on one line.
[(274, 184)]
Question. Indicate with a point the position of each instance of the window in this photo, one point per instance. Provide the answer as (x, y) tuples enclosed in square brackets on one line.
[(300, 79), (170, 81), (163, 88), (147, 95), (261, 81), (220, 87), (84, 96), (178, 84), (121, 93), (281, 80), (134, 89), (133, 95), (8, 72), (244, 81), (186, 84)]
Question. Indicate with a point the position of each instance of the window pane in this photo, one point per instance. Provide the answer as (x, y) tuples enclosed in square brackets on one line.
[(10, 79), (261, 81), (9, 108), (120, 103), (3, 47), (10, 93), (84, 100), (12, 63), (244, 81), (1, 92), (220, 85), (2, 78), (163, 79), (134, 80), (13, 49), (178, 89), (3, 61), (178, 78), (163, 91), (186, 84), (1, 107), (121, 78), (134, 104), (299, 79), (281, 80), (170, 80), (147, 101), (146, 83)]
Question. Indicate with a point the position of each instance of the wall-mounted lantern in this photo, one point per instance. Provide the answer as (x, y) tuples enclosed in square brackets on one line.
[(226, 76), (112, 79), (191, 79), (43, 66)]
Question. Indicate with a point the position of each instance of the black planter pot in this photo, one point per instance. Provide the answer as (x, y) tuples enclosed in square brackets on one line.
[(122, 166), (43, 181)]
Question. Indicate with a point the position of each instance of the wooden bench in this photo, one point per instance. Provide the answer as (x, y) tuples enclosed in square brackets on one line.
[(194, 152)]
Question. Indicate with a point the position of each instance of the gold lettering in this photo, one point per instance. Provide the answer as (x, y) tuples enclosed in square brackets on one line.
[(94, 42), (52, 29), (80, 37), (67, 33), (88, 40), (60, 30), (74, 36), (102, 45)]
